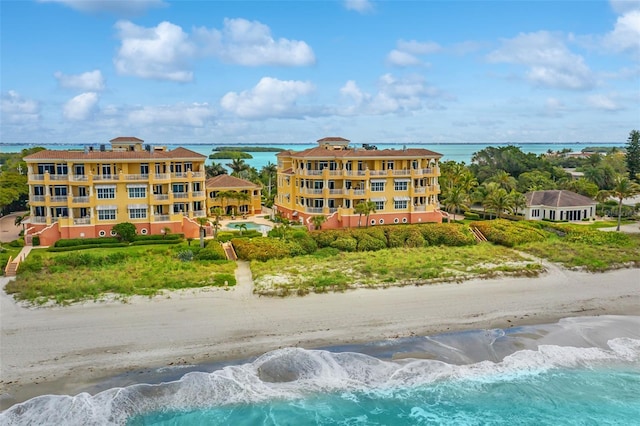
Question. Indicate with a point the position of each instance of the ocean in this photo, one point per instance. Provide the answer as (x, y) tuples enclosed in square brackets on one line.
[(579, 371), (451, 151)]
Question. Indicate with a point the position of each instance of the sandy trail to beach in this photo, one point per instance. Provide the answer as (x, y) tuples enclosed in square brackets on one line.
[(64, 349)]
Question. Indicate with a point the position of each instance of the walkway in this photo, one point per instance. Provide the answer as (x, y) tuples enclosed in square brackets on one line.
[(8, 230)]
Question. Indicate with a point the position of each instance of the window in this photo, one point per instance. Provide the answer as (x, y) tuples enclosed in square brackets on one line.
[(138, 192), (400, 186), (78, 169), (389, 165), (377, 186), (107, 214), (400, 205), (105, 193), (395, 220), (102, 233), (43, 168), (143, 231), (59, 212), (381, 221), (535, 213), (38, 190), (179, 207), (113, 233), (39, 211), (414, 164), (404, 220), (195, 186), (144, 169), (379, 205), (137, 213), (179, 187), (59, 191), (61, 169), (106, 169)]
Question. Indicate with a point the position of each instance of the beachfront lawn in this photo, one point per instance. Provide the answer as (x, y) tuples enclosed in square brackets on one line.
[(118, 272), (330, 270)]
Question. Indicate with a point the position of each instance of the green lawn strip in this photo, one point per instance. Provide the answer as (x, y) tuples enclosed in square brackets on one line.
[(590, 255), (392, 267), (142, 270)]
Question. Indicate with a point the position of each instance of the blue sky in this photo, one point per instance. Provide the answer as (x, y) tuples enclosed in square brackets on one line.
[(85, 71)]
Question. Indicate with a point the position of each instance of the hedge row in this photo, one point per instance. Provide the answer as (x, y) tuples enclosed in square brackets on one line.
[(84, 241), (212, 251), (155, 241), (86, 246), (263, 249), (510, 234), (225, 236), (159, 237), (381, 237)]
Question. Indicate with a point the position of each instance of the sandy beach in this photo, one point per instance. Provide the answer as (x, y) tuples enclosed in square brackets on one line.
[(65, 350)]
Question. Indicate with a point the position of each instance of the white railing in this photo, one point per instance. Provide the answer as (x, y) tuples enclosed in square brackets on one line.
[(378, 172), (197, 194), (180, 174), (136, 177), (402, 172), (59, 177), (197, 174), (59, 199), (82, 221), (38, 219), (199, 213), (105, 177), (80, 199), (311, 191), (180, 195), (160, 197), (314, 210), (38, 198), (335, 191), (419, 190), (161, 217), (359, 191), (335, 172), (333, 209), (78, 178), (419, 208), (36, 177), (312, 172), (162, 176)]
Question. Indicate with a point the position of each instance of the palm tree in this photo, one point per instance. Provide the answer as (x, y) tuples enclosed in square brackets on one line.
[(360, 209), (238, 166), (481, 194), (216, 212), (202, 221), (318, 221), (215, 169), (270, 171), (624, 188), (455, 200), (365, 208), (504, 179), (165, 231), (20, 221), (518, 202), (241, 227), (499, 201), (225, 195)]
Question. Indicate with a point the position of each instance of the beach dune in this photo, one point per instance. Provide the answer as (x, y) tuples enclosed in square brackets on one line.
[(65, 350)]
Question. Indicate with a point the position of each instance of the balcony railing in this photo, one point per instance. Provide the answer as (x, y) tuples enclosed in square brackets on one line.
[(160, 197), (38, 198), (199, 213), (333, 210), (198, 194), (80, 199), (420, 208), (78, 178), (314, 210), (312, 172), (38, 219), (311, 191), (59, 199), (336, 191), (136, 177), (401, 172), (421, 190), (180, 195), (378, 172), (180, 174), (198, 174), (359, 191), (82, 221), (36, 177), (161, 217), (105, 177), (162, 176), (59, 177)]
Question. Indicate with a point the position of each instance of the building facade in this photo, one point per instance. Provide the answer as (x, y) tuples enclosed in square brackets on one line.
[(559, 205), (233, 196), (84, 193), (333, 178)]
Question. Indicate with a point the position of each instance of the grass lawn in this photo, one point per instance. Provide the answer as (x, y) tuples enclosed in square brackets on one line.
[(401, 266), (66, 277)]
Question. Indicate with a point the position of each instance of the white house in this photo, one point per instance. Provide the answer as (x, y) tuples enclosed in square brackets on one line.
[(559, 205)]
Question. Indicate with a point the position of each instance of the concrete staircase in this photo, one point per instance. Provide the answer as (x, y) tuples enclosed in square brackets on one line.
[(12, 265)]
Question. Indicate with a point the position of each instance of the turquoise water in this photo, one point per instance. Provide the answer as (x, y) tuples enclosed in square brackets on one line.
[(249, 225), (455, 152), (580, 371)]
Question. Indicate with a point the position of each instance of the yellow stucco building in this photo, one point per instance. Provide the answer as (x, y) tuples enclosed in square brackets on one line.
[(233, 196), (331, 179), (84, 193)]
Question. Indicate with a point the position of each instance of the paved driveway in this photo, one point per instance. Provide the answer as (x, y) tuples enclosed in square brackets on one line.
[(8, 230)]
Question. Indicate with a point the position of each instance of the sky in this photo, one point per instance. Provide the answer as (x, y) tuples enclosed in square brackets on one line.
[(238, 72)]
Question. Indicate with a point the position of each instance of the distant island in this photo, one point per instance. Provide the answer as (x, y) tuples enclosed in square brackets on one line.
[(230, 155), (247, 149)]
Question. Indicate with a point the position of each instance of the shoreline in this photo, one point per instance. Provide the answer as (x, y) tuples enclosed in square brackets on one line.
[(68, 350)]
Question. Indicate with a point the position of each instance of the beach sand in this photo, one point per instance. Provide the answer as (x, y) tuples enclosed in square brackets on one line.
[(66, 350)]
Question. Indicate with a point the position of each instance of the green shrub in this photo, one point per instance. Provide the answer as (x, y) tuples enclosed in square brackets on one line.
[(368, 242), (16, 243), (446, 234), (158, 237), (126, 231), (33, 263), (222, 279), (212, 251), (325, 252), (263, 249), (510, 234), (150, 242), (471, 215), (345, 243), (185, 255), (35, 241), (397, 235), (86, 247), (326, 238), (84, 241), (306, 242), (414, 238)]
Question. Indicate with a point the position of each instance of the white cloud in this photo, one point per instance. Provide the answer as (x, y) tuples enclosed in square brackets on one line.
[(81, 107), (626, 34), (361, 6), (394, 95), (18, 110), (162, 52), (269, 98), (624, 6), (603, 102), (116, 7), (91, 81), (251, 43), (182, 115), (550, 62), (406, 53)]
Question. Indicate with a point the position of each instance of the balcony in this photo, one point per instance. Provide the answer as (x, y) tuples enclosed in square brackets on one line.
[(422, 208), (38, 219), (78, 178), (314, 210), (80, 199), (180, 174), (420, 190), (137, 177), (162, 176), (82, 221), (312, 172), (336, 191), (161, 218), (59, 198), (161, 197), (59, 177), (405, 172), (198, 174), (199, 213), (311, 191), (105, 177), (180, 195), (198, 194), (38, 198), (36, 177), (377, 172), (359, 191)]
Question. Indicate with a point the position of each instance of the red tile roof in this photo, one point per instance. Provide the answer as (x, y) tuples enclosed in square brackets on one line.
[(121, 139), (227, 181), (333, 139), (178, 153), (322, 153)]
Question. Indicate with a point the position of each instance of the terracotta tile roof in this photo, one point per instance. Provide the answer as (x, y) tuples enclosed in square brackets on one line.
[(288, 171), (53, 155), (122, 139), (557, 198), (227, 181), (333, 139), (322, 153)]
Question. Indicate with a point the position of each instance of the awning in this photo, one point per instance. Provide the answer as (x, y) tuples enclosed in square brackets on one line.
[(137, 206), (378, 199), (106, 207), (378, 180), (105, 187), (402, 180), (136, 185), (401, 198)]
